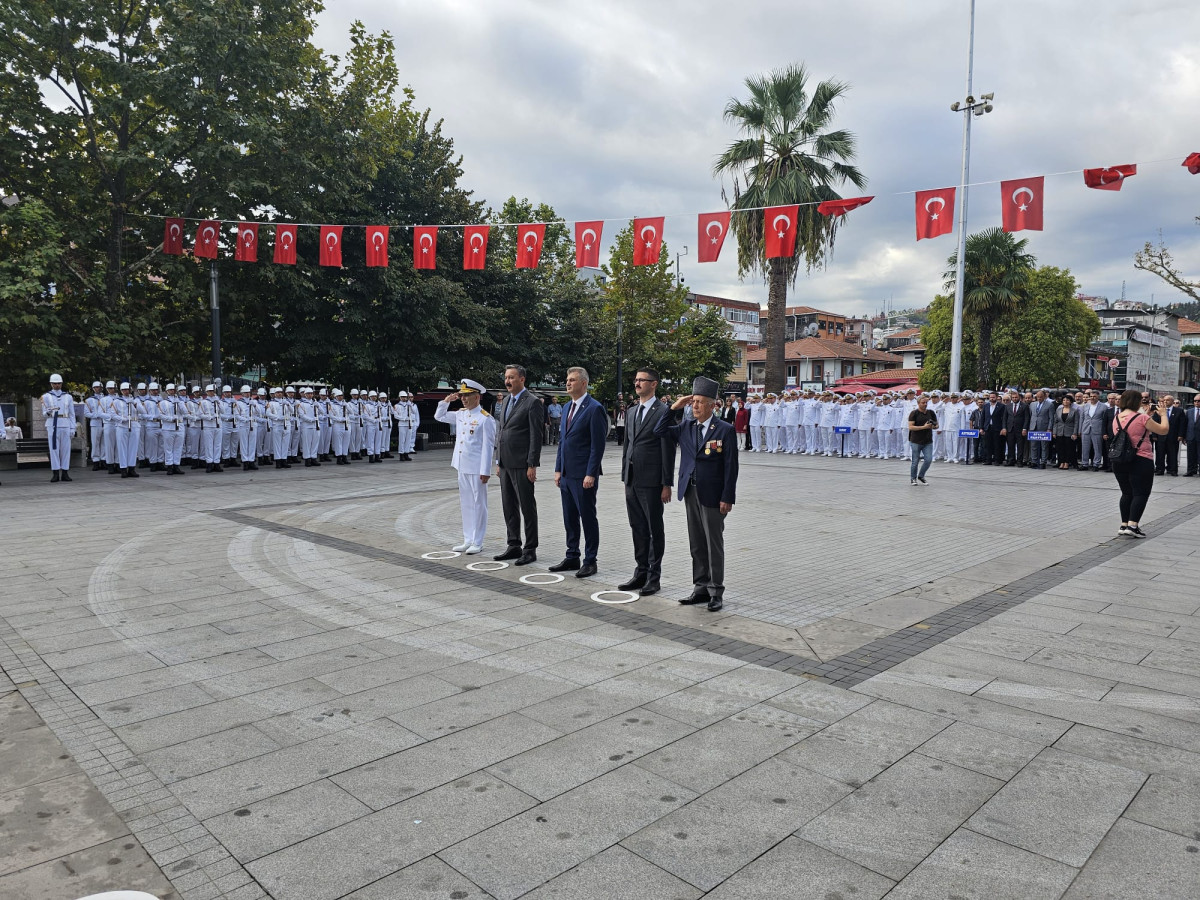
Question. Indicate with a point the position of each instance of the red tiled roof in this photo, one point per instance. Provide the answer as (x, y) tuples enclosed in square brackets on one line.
[(815, 348), (887, 377), (1187, 326), (725, 302), (907, 348), (907, 332)]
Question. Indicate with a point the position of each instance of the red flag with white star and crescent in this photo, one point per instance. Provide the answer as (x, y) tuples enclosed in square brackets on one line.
[(1192, 163), (425, 247), (475, 239), (935, 213), (779, 230), (529, 245), (285, 245), (331, 245), (1109, 179), (841, 207), (173, 237), (647, 240), (1021, 203), (206, 239), (710, 237), (587, 244), (247, 242), (377, 246)]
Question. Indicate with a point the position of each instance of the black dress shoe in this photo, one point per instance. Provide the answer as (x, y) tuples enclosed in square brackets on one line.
[(633, 583), (586, 570), (697, 597), (54, 478), (66, 477), (715, 604), (650, 587), (510, 553), (567, 565), (526, 558)]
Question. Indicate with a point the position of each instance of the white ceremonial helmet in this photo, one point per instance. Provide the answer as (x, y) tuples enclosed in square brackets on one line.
[(262, 392), (276, 390), (170, 387), (372, 394), (306, 390), (153, 385), (290, 389), (353, 392), (124, 385), (195, 388), (337, 392), (141, 386), (56, 379), (323, 392), (210, 387), (403, 394), (111, 384), (97, 384), (245, 389)]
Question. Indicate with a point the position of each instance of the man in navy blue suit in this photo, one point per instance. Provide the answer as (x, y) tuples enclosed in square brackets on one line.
[(708, 472), (577, 472)]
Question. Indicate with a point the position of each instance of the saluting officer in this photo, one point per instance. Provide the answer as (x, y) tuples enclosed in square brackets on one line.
[(474, 445)]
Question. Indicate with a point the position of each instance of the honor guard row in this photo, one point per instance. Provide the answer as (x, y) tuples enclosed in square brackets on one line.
[(162, 430)]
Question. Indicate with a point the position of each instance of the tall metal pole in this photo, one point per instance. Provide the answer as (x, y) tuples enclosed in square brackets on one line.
[(620, 355), (957, 339), (214, 300)]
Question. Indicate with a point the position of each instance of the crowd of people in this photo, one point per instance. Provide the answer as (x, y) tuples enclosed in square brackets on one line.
[(165, 429)]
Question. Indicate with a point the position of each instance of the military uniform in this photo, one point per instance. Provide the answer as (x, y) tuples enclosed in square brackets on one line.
[(407, 419), (58, 409), (474, 447), (126, 412)]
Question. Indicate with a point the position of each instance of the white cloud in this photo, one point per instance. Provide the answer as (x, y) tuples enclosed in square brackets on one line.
[(613, 109)]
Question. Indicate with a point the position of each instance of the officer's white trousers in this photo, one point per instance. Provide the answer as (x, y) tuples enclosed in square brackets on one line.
[(60, 445), (472, 497), (308, 441), (294, 442), (210, 444), (152, 442), (247, 440), (339, 440), (127, 445), (406, 438), (772, 435), (326, 440), (281, 440), (171, 444)]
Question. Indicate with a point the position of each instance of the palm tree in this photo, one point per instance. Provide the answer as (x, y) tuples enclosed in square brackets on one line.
[(998, 269), (785, 156)]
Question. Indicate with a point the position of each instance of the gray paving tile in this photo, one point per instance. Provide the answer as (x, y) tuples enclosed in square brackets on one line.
[(566, 762), (515, 856), (401, 775), (1170, 803), (429, 879), (32, 754), (204, 754), (799, 870), (987, 752), (260, 828), (1135, 860), (863, 744), (615, 874), (90, 871), (896, 820), (463, 710), (1059, 806), (358, 853), (715, 835), (973, 867)]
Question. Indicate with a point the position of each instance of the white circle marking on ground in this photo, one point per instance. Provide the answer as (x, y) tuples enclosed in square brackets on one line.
[(441, 554), (487, 565), (528, 579), (629, 595)]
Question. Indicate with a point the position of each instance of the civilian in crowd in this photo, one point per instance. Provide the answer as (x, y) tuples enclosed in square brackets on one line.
[(11, 431), (1191, 434), (741, 422), (1018, 430), (1064, 426), (619, 419), (1040, 413), (1110, 412), (577, 472), (1166, 449), (993, 429), (1091, 433), (921, 423), (1136, 417)]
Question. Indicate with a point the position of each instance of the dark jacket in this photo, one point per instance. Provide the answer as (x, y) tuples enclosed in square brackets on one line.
[(1018, 421), (519, 442), (1059, 428), (993, 420), (581, 446), (714, 472), (647, 459)]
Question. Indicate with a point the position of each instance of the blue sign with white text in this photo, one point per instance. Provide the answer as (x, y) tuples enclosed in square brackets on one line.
[(968, 432), (1040, 436)]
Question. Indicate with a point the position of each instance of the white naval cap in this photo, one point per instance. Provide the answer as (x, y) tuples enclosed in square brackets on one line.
[(323, 392), (353, 392), (124, 385), (195, 388), (56, 379), (306, 390), (153, 385), (337, 392), (226, 387), (276, 390), (97, 384), (112, 384), (141, 386), (245, 389), (170, 387), (290, 389), (469, 386), (402, 394)]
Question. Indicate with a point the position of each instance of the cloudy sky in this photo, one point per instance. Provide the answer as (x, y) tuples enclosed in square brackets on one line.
[(612, 108)]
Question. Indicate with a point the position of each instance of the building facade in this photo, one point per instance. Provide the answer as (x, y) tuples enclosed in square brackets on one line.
[(743, 319), (812, 361)]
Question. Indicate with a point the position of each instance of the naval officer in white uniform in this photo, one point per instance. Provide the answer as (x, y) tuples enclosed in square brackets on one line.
[(474, 447)]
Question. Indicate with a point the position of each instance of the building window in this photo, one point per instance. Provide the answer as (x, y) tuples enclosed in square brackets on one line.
[(818, 371), (793, 373)]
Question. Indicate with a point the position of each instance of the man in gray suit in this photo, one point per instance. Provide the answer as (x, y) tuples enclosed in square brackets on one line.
[(1091, 433), (519, 451), (647, 470), (1040, 411)]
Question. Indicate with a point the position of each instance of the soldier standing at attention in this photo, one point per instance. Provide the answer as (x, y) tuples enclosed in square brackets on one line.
[(58, 409)]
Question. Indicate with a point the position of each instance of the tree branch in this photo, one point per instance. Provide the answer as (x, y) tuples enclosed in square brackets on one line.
[(1157, 260)]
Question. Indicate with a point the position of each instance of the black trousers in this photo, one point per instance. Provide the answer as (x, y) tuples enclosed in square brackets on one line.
[(516, 495), (1166, 454), (991, 447), (644, 506), (1193, 456), (1136, 480), (1016, 446)]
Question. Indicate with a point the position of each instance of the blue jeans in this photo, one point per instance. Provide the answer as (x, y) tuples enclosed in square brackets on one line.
[(922, 453)]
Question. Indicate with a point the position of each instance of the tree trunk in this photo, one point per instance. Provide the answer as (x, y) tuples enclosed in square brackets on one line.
[(776, 366)]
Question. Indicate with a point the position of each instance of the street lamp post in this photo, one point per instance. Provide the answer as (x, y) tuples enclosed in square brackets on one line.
[(968, 108), (620, 353), (678, 277)]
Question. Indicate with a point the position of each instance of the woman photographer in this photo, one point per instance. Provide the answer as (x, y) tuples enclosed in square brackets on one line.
[(1136, 416)]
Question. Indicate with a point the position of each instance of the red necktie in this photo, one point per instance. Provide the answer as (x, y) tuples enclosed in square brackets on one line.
[(571, 415)]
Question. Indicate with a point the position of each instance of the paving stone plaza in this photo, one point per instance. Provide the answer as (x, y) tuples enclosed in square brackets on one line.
[(255, 685)]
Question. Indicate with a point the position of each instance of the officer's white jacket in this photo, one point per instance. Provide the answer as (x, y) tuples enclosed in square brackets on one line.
[(169, 414), (407, 414), (829, 414), (758, 414), (209, 412), (125, 411), (64, 405), (91, 406), (339, 415), (306, 412), (243, 413), (475, 438)]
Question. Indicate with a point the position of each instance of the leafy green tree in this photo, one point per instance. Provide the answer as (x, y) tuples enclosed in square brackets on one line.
[(1042, 344), (994, 288), (786, 155), (705, 345), (937, 337)]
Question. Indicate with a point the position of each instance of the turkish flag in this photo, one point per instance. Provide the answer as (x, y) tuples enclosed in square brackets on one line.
[(377, 244), (474, 246), (173, 237), (587, 244), (647, 241), (207, 233), (935, 213), (1192, 162), (425, 247), (779, 227), (247, 242), (841, 207), (285, 244), (1109, 179), (710, 235), (1021, 202), (331, 245), (529, 245)]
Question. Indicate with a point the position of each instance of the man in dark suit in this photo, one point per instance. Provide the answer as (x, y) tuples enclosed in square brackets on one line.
[(708, 472), (1018, 430), (519, 453), (1166, 450), (1110, 413), (577, 472), (993, 429), (1191, 434), (647, 470)]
